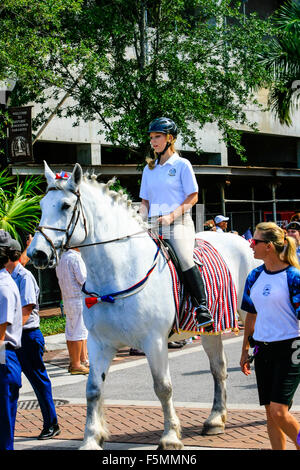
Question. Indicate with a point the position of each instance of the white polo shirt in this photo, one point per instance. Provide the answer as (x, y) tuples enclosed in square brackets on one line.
[(10, 309), (168, 185)]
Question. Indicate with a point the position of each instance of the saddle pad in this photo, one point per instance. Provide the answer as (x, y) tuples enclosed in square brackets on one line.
[(220, 292)]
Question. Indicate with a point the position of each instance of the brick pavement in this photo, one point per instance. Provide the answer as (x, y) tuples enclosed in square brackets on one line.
[(245, 429), (144, 425)]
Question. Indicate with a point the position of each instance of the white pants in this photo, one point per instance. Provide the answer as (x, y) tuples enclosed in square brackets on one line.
[(181, 234), (75, 328)]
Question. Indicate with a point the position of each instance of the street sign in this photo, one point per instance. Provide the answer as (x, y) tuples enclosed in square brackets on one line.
[(20, 135)]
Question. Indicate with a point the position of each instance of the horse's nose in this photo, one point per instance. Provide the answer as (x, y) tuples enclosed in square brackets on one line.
[(39, 258)]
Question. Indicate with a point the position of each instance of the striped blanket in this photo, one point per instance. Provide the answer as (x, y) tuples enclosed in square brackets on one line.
[(220, 290)]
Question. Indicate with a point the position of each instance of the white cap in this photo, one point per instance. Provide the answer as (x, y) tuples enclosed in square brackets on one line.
[(220, 218)]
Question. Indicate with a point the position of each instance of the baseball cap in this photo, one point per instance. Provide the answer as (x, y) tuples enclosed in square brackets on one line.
[(220, 218), (15, 245), (5, 238), (293, 226)]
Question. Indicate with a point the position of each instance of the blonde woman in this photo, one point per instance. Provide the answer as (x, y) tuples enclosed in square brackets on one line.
[(168, 191), (272, 300)]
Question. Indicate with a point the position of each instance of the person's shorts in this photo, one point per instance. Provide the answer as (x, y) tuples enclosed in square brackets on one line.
[(277, 369), (75, 328)]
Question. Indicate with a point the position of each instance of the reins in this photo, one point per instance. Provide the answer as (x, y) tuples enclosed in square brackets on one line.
[(95, 298)]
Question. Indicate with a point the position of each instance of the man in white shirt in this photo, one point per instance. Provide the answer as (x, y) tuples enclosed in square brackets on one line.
[(71, 274), (221, 223), (10, 341)]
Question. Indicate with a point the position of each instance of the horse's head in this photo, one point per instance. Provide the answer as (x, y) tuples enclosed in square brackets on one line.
[(62, 223)]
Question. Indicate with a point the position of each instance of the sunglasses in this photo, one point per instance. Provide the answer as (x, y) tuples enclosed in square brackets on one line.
[(255, 241)]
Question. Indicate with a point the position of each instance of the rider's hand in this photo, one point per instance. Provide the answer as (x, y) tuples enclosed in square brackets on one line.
[(165, 219)]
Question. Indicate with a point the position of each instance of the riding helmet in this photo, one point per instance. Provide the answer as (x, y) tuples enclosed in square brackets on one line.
[(163, 125)]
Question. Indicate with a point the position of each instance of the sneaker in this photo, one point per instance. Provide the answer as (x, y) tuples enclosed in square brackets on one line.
[(48, 433), (136, 352), (82, 370)]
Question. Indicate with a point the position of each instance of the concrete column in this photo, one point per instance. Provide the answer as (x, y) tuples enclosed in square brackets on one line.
[(96, 154), (222, 194), (298, 153), (88, 154), (224, 154)]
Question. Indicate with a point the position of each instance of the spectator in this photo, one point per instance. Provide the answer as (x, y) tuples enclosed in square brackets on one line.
[(293, 230), (221, 223), (30, 354), (295, 217), (272, 300), (71, 274), (10, 341), (24, 258), (209, 225)]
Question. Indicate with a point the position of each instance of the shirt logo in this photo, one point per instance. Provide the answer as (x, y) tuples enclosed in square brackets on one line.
[(267, 290), (172, 172)]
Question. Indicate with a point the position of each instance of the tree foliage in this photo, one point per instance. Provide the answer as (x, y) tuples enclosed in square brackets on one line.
[(126, 62), (283, 60)]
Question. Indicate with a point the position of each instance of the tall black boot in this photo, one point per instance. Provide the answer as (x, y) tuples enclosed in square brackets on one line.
[(195, 286)]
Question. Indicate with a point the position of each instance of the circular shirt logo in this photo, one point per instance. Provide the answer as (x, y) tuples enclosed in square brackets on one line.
[(172, 172), (267, 290)]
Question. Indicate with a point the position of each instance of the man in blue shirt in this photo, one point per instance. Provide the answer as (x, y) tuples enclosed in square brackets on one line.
[(32, 347)]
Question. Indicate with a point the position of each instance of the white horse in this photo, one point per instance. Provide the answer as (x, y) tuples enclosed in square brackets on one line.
[(118, 253)]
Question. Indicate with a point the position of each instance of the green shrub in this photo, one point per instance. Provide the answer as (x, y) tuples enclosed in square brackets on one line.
[(53, 325)]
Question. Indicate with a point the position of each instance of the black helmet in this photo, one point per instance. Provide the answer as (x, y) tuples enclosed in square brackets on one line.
[(163, 125)]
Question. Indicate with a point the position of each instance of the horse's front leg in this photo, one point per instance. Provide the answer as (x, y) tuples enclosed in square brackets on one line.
[(157, 354), (213, 346), (100, 358)]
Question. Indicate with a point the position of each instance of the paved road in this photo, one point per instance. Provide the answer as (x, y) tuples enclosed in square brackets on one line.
[(131, 382)]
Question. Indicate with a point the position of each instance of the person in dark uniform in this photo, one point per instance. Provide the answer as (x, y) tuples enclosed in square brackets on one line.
[(30, 354), (10, 340)]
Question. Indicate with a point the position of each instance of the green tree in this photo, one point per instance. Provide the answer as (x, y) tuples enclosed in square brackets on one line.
[(283, 59), (19, 204), (128, 61)]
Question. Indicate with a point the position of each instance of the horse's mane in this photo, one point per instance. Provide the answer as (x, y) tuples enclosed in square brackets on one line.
[(118, 197)]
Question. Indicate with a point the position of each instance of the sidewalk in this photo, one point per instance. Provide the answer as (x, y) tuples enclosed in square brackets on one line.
[(137, 426)]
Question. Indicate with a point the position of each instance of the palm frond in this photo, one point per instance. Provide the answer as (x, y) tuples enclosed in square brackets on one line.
[(19, 205)]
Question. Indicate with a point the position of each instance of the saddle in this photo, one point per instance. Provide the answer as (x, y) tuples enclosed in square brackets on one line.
[(219, 285)]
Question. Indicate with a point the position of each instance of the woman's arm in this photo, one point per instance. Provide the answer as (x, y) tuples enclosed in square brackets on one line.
[(144, 209), (187, 204), (249, 330)]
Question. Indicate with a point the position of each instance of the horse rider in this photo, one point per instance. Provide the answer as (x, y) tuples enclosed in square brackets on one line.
[(168, 191)]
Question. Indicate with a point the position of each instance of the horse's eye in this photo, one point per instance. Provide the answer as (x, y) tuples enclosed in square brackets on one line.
[(65, 206)]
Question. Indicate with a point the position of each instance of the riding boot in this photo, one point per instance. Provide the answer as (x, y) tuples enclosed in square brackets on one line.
[(195, 286)]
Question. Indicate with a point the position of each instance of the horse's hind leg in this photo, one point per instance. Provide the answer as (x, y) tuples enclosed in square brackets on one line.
[(213, 346), (157, 355), (100, 358)]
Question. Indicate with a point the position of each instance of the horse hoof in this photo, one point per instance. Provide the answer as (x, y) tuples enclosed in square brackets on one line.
[(91, 445), (212, 430), (170, 446)]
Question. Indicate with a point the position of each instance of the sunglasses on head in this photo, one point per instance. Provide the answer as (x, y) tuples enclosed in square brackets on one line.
[(255, 241)]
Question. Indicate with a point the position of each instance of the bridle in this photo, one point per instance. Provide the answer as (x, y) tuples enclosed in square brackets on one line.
[(75, 216), (77, 210)]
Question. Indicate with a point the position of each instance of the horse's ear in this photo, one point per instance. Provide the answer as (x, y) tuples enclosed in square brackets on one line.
[(76, 177), (49, 175)]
